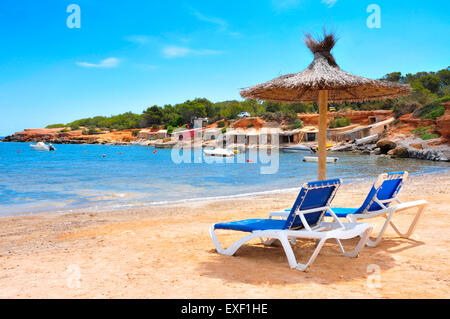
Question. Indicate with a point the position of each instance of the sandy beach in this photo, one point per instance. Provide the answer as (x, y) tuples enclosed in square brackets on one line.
[(166, 252)]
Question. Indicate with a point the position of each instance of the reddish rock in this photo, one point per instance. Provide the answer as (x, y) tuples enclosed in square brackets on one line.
[(415, 122), (359, 117), (244, 123), (386, 145), (400, 152), (443, 122), (72, 137), (416, 146)]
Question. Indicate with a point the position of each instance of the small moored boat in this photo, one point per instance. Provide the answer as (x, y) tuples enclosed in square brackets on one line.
[(297, 148), (219, 152), (40, 146), (316, 159)]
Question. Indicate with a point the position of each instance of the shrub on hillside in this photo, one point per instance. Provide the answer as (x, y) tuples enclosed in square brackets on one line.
[(340, 122), (403, 106), (280, 117), (424, 134), (432, 110), (55, 126), (295, 124)]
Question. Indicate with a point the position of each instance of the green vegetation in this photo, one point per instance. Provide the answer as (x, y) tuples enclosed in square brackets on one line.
[(55, 126), (428, 136), (170, 129), (117, 122), (93, 130), (339, 122), (430, 90), (424, 134), (295, 124), (433, 109)]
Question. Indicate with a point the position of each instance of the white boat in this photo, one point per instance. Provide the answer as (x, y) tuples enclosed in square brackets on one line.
[(367, 140), (297, 148), (218, 152), (316, 159), (40, 146)]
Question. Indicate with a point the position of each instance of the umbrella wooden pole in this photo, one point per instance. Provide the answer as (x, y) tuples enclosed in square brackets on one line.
[(323, 103)]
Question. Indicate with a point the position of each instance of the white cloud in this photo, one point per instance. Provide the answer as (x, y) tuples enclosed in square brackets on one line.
[(220, 22), (106, 63), (174, 51), (177, 52), (329, 3)]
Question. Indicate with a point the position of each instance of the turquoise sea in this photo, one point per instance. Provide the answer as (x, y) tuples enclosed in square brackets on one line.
[(103, 177)]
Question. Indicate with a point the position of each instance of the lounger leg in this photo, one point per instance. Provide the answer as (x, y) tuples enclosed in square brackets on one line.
[(291, 257), (413, 225), (340, 246), (364, 238), (373, 243), (233, 247), (419, 204), (288, 251)]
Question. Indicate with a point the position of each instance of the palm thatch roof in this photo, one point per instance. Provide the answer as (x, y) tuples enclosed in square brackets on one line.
[(324, 74)]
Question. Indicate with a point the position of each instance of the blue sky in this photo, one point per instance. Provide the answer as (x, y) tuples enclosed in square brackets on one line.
[(129, 55)]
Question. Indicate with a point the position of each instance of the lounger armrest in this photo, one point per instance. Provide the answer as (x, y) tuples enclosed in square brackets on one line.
[(407, 205)]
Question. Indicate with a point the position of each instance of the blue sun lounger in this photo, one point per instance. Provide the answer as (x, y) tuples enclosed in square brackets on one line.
[(378, 203), (305, 220)]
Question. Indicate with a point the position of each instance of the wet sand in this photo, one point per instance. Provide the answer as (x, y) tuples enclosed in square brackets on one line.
[(166, 252)]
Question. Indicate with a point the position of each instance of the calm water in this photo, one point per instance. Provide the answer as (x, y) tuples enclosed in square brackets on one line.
[(79, 177)]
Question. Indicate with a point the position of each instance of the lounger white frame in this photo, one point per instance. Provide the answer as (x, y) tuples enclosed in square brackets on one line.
[(386, 212), (321, 232)]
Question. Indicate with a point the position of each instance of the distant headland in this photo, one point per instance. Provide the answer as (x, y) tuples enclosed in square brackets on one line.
[(415, 126)]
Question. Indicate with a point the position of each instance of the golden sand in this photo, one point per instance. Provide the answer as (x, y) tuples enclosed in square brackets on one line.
[(166, 252)]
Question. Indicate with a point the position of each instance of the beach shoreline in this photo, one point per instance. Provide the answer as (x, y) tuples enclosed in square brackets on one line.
[(166, 252), (198, 200)]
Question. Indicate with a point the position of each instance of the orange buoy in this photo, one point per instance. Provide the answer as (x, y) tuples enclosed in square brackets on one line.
[(155, 151)]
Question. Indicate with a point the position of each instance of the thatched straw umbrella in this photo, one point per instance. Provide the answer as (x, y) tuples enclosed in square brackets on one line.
[(323, 81)]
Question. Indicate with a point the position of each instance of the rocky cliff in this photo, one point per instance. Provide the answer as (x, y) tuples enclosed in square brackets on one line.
[(60, 136)]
